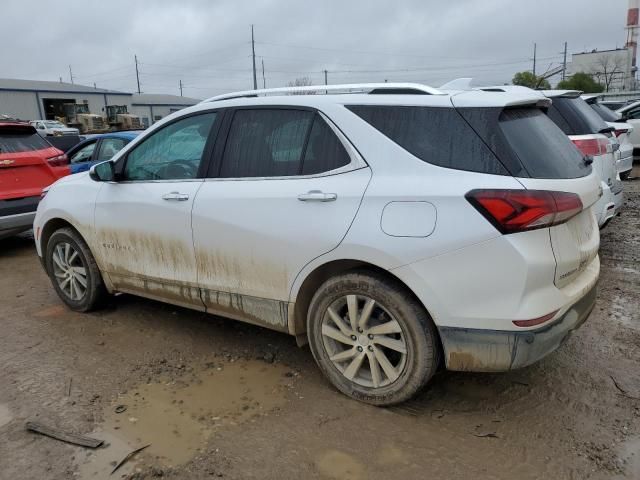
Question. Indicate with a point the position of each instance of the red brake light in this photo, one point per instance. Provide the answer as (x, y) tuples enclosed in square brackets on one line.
[(591, 146), (512, 211), (58, 160)]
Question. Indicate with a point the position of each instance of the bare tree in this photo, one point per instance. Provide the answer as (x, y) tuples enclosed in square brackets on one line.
[(606, 69), (300, 82)]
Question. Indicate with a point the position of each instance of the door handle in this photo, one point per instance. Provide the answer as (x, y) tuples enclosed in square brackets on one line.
[(176, 196), (317, 196)]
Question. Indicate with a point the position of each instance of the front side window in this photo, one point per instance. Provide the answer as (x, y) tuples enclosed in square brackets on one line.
[(109, 147), (84, 154), (172, 153)]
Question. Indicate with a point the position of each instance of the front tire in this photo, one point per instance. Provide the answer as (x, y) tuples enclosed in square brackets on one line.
[(73, 271), (371, 338), (625, 175)]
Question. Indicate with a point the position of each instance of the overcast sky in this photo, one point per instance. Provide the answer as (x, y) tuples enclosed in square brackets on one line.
[(206, 43)]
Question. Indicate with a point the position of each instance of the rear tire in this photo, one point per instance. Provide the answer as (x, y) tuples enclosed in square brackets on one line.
[(73, 271), (371, 338)]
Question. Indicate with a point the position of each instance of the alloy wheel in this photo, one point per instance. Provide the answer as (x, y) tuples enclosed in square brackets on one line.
[(69, 271), (363, 341)]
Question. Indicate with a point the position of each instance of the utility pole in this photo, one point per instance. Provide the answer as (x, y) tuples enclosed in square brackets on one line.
[(564, 62), (94, 86), (325, 81), (534, 58), (264, 82), (135, 57), (253, 55), (70, 74), (180, 87)]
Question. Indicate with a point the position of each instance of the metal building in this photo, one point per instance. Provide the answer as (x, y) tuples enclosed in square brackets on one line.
[(612, 68), (153, 107), (36, 99)]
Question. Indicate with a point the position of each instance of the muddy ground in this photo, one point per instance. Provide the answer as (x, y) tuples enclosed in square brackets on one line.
[(218, 399)]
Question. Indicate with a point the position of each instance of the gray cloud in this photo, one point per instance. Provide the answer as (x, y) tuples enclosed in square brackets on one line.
[(206, 43)]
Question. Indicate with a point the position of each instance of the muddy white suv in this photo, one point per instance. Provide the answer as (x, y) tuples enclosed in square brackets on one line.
[(394, 227)]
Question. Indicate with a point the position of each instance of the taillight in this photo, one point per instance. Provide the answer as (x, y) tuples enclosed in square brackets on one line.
[(592, 146), (512, 211), (58, 160)]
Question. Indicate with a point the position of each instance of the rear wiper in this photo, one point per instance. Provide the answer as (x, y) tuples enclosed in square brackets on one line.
[(587, 159), (606, 130)]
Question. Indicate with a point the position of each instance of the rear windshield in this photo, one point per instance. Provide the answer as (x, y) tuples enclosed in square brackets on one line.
[(605, 114), (541, 147), (15, 141), (575, 117)]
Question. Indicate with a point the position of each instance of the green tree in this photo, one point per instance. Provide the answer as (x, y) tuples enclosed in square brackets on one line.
[(581, 81), (528, 79)]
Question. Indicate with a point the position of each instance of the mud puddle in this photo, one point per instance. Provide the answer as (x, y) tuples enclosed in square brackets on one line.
[(176, 418), (630, 453), (5, 415), (620, 309)]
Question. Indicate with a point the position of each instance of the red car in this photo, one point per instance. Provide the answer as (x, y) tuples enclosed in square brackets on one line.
[(28, 163)]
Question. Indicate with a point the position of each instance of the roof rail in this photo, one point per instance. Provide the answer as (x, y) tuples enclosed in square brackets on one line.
[(390, 88)]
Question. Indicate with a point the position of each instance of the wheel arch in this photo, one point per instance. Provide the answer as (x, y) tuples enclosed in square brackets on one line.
[(308, 288), (50, 227)]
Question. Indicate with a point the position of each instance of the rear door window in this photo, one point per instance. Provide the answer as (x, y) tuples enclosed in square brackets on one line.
[(542, 148), (266, 143), (15, 141), (435, 135)]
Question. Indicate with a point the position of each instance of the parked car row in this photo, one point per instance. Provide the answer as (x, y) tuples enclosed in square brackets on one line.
[(29, 163), (355, 222)]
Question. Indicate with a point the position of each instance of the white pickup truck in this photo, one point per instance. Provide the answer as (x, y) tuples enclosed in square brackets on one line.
[(48, 128)]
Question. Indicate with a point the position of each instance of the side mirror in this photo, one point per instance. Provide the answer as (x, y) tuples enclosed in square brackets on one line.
[(103, 172)]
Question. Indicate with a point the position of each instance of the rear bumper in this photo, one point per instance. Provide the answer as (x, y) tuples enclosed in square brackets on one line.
[(478, 350), (625, 163), (17, 215)]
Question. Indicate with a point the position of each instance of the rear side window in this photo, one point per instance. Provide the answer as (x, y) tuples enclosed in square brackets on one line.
[(324, 151), (542, 148), (436, 135), (13, 141), (575, 117), (280, 143)]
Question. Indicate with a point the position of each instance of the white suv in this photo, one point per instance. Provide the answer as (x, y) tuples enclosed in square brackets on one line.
[(396, 230)]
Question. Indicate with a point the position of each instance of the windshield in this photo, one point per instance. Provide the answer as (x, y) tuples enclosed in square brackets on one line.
[(52, 124)]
